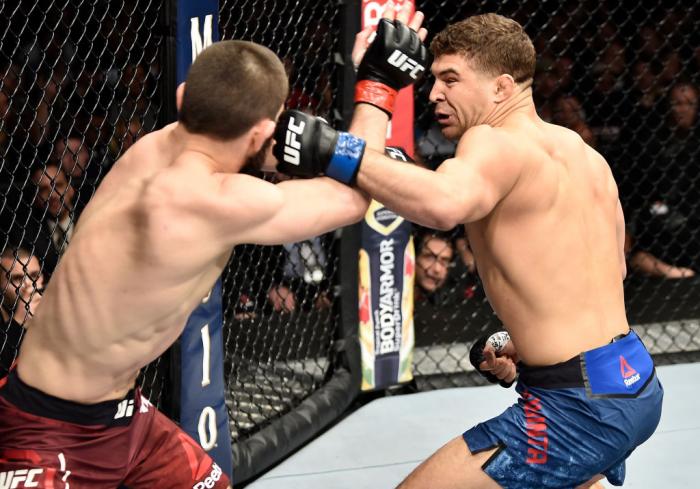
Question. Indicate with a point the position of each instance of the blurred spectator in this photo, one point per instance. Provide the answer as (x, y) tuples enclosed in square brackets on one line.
[(644, 122), (303, 279), (648, 45), (50, 226), (563, 69), (72, 155), (645, 95), (302, 275), (83, 166), (684, 109), (569, 113), (21, 285), (125, 135), (607, 104), (132, 133), (138, 101), (671, 67), (434, 258), (667, 212)]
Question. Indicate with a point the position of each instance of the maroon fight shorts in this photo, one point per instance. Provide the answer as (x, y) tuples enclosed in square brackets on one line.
[(47, 442)]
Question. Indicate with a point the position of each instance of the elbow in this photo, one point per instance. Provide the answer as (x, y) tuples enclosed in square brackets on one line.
[(441, 220), (446, 214), (358, 207), (444, 222)]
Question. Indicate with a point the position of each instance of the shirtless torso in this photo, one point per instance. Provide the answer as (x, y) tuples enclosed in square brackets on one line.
[(548, 253), (147, 249), (540, 208)]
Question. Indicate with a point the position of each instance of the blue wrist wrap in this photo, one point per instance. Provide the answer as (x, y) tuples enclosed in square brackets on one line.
[(346, 158)]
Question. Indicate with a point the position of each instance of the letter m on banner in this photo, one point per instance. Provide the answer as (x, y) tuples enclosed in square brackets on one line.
[(197, 28), (200, 39)]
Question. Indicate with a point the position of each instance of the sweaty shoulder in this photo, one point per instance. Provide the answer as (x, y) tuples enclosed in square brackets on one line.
[(486, 140), (582, 161)]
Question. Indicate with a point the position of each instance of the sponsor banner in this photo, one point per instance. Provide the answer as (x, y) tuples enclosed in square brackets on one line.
[(400, 131), (203, 413), (197, 28), (387, 266)]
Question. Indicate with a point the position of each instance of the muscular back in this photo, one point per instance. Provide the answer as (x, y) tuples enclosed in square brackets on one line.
[(138, 264), (548, 253)]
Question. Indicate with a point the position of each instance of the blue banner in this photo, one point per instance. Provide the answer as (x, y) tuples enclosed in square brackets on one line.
[(197, 28), (203, 413)]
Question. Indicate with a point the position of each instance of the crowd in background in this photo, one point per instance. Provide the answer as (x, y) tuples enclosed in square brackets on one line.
[(630, 91)]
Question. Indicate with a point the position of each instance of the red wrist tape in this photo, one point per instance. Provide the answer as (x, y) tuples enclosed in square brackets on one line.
[(377, 94)]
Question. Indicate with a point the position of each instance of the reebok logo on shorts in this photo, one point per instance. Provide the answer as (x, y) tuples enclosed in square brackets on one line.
[(211, 480), (629, 375), (19, 478)]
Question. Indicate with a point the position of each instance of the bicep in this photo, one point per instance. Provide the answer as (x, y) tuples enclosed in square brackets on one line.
[(306, 208), (479, 180)]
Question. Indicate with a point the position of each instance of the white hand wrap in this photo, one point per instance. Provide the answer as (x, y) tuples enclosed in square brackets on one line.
[(498, 340)]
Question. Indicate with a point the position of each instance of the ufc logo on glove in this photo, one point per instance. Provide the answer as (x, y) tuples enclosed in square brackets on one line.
[(404, 63), (291, 141)]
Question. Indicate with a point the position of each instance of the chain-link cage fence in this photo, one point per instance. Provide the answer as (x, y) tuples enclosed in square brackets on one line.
[(79, 82), (282, 316), (624, 75), (78, 85)]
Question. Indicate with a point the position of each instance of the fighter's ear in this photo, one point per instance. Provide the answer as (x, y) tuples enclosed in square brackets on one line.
[(260, 133), (504, 87), (179, 94)]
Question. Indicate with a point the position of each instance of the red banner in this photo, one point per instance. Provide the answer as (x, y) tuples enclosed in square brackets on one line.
[(400, 132)]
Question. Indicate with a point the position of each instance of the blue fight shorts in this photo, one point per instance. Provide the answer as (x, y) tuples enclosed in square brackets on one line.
[(574, 420)]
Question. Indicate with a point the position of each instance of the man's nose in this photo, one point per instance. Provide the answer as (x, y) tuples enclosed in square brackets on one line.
[(436, 94)]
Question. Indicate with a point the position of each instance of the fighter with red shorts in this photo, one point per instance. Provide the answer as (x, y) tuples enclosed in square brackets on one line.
[(149, 246), (104, 445)]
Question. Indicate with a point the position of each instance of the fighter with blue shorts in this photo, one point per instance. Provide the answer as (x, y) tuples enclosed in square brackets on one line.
[(574, 419), (543, 220)]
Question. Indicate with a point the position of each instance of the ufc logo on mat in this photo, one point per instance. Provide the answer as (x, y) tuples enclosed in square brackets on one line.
[(19, 478), (291, 142), (404, 63)]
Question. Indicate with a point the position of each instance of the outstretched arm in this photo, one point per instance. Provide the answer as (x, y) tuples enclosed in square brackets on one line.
[(306, 147), (463, 189), (260, 212)]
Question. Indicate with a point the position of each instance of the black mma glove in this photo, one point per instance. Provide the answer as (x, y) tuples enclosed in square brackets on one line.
[(306, 146), (395, 59), (476, 355)]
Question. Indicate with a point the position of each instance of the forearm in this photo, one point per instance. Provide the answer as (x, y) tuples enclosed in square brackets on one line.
[(647, 263), (321, 205), (371, 124), (421, 196)]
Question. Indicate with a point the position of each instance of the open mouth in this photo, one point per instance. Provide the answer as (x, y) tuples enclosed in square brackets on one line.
[(441, 117)]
